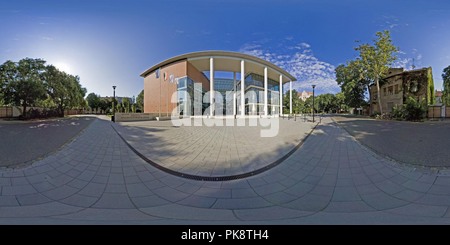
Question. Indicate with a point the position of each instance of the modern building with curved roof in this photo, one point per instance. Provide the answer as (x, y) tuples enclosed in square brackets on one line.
[(215, 83)]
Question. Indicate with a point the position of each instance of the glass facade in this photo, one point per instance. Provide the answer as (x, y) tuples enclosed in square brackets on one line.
[(254, 92), (190, 96)]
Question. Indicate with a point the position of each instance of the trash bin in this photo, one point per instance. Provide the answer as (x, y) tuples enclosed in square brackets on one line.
[(112, 118)]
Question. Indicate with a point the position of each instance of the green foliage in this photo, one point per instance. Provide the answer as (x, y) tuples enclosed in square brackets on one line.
[(414, 110), (298, 105), (446, 92), (326, 103), (374, 60), (104, 104), (64, 89), (430, 83), (398, 112), (23, 82), (44, 113), (126, 105), (30, 82), (93, 101), (140, 101), (411, 110), (353, 85)]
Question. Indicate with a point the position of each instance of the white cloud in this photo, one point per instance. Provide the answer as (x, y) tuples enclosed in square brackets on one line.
[(408, 61), (47, 38), (299, 61)]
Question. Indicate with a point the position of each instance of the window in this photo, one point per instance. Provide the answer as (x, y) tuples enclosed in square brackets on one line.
[(390, 90), (384, 91), (182, 83), (397, 90)]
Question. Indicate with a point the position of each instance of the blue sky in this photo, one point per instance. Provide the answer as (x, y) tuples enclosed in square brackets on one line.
[(110, 42)]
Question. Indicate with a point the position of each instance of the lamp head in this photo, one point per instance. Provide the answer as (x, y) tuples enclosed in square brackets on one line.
[(313, 86)]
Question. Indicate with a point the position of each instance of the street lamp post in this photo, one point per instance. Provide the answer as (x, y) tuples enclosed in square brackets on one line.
[(113, 106), (313, 86)]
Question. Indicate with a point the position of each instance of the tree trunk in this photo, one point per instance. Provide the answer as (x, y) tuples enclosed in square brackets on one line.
[(370, 101), (24, 114), (61, 109), (379, 95)]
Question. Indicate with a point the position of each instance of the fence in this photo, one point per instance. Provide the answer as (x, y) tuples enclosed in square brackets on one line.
[(438, 112), (6, 111), (73, 112)]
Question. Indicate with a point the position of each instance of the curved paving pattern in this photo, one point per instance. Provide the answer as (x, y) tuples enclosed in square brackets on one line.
[(214, 153), (330, 179)]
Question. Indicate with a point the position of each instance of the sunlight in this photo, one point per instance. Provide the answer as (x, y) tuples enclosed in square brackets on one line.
[(63, 67)]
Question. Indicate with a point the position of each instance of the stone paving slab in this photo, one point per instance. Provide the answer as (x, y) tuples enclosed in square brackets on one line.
[(209, 150), (330, 179)]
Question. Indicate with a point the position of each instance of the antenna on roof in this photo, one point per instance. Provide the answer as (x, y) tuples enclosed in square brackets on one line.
[(413, 66)]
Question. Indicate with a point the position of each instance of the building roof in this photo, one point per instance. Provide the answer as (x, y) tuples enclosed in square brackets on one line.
[(438, 93), (399, 71), (226, 61), (304, 91)]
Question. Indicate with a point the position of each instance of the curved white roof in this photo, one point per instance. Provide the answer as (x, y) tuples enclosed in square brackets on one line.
[(226, 61)]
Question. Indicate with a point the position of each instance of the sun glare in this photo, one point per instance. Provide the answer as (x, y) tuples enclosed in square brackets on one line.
[(63, 67)]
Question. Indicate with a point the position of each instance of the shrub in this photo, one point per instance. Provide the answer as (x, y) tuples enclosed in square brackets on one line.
[(35, 113), (375, 114), (398, 112), (414, 110), (384, 116)]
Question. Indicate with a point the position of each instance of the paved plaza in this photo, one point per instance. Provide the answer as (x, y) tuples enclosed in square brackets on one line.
[(24, 142), (218, 151), (414, 143), (331, 179)]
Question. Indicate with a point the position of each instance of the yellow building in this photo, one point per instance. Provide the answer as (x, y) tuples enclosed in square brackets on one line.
[(399, 85)]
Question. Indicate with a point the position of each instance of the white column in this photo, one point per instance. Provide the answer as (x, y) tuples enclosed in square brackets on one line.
[(281, 95), (242, 88), (211, 86), (290, 97), (234, 93), (266, 110)]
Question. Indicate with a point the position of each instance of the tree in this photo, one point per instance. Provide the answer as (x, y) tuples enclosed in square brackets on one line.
[(446, 92), (375, 60), (140, 101), (353, 85), (7, 74), (93, 101), (64, 89), (22, 82), (340, 102), (325, 103), (119, 107), (297, 103), (126, 104), (105, 104)]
